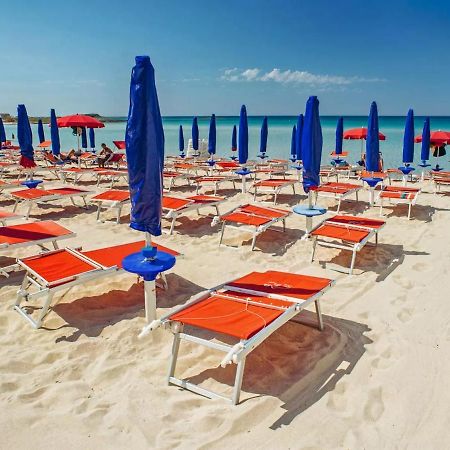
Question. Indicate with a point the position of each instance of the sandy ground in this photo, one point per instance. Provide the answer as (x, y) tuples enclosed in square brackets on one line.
[(376, 377)]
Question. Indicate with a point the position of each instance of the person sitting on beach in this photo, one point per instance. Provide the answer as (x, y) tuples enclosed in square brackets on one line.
[(104, 156)]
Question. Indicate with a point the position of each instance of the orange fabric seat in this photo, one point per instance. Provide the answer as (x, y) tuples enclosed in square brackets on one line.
[(205, 198), (34, 193), (340, 232), (209, 179), (338, 188), (247, 219), (400, 189), (28, 232), (360, 221), (228, 313), (113, 195), (274, 183), (400, 195), (174, 202), (267, 212)]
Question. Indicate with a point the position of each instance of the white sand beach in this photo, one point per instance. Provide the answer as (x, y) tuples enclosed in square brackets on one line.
[(376, 377)]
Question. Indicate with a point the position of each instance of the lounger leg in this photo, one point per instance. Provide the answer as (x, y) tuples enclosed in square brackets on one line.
[(254, 241), (254, 193), (119, 212), (352, 264), (174, 357), (172, 225), (409, 211), (238, 382), (221, 233), (314, 244), (55, 245), (15, 205), (98, 211), (27, 215), (339, 206), (356, 194), (319, 315), (45, 310)]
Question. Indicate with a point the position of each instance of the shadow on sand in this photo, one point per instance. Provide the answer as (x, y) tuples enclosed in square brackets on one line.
[(298, 364)]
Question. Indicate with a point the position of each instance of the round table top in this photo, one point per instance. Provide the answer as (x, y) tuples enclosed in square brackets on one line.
[(31, 183), (304, 210), (148, 268)]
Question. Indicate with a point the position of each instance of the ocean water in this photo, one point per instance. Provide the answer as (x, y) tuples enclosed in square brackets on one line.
[(279, 139)]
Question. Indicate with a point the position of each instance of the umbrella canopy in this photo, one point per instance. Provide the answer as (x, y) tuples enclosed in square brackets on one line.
[(293, 146), (436, 138), (339, 136), (144, 139), (425, 150), (83, 138), (264, 134), (181, 139), (372, 141), (92, 138), (79, 120), (195, 133), (298, 138), (311, 144), (54, 133), (25, 137), (41, 132), (243, 136), (361, 133), (408, 139), (2, 133), (212, 136), (234, 139)]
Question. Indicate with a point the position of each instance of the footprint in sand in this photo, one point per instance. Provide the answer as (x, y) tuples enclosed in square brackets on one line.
[(337, 400), (403, 282), (383, 361), (421, 267), (374, 407), (405, 315)]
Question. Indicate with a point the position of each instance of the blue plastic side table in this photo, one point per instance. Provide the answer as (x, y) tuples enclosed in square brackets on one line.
[(148, 263), (309, 212), (31, 184), (372, 182)]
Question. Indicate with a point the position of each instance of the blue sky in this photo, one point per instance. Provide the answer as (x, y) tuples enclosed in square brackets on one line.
[(212, 56)]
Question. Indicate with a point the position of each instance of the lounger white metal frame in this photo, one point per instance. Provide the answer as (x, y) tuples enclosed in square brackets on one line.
[(213, 181), (397, 201), (234, 353), (354, 247), (272, 190), (254, 230), (338, 195)]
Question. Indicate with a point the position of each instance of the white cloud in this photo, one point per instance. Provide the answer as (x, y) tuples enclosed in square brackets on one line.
[(293, 77)]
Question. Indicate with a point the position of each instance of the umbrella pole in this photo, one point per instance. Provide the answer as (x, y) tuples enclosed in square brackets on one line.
[(149, 290)]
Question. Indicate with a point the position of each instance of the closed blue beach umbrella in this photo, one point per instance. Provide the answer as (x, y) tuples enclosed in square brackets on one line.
[(92, 138), (145, 149), (2, 133), (144, 138), (293, 142), (408, 139), (425, 149), (264, 134), (25, 137), (54, 134), (181, 139), (83, 137), (234, 139), (243, 136), (311, 144), (339, 136), (298, 138), (41, 132), (212, 136), (372, 141), (195, 134)]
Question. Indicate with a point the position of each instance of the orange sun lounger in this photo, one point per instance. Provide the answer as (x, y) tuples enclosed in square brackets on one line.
[(252, 219), (34, 196), (340, 191), (173, 176), (28, 234), (213, 182), (247, 310), (111, 199), (345, 233), (272, 186), (59, 270), (398, 195)]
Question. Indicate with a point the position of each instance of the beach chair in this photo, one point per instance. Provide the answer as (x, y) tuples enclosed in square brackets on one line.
[(173, 176), (111, 199), (272, 187), (247, 310), (252, 219), (48, 273), (75, 174), (439, 181), (6, 216), (34, 196), (213, 182), (8, 185), (173, 207), (112, 175), (345, 233), (398, 195), (339, 191), (29, 234)]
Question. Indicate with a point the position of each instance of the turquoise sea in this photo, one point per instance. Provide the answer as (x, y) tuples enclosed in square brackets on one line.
[(280, 128)]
